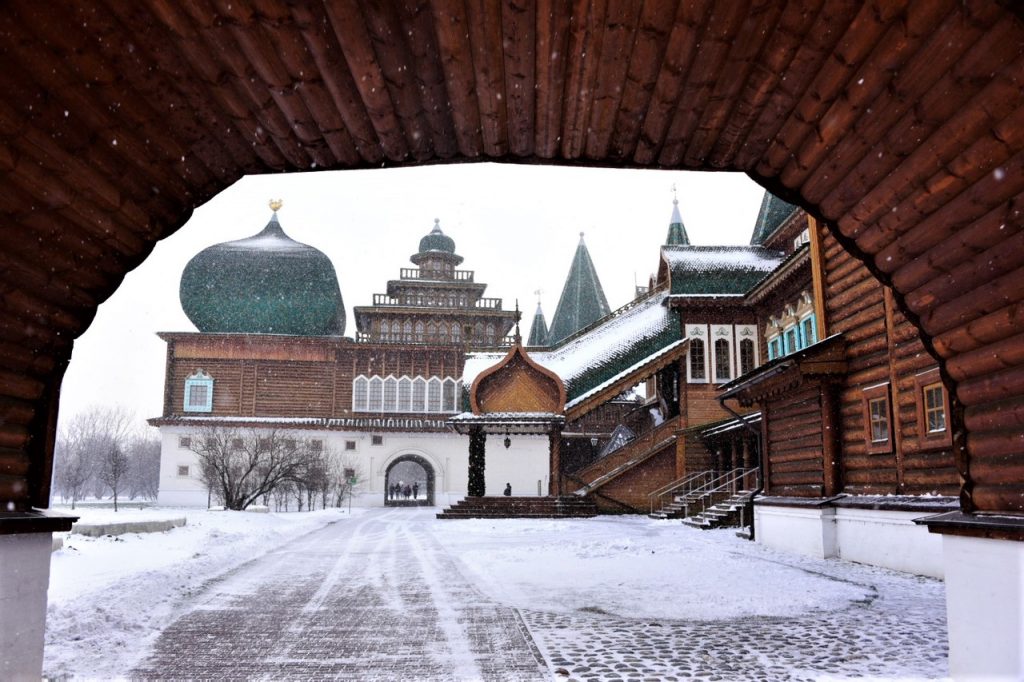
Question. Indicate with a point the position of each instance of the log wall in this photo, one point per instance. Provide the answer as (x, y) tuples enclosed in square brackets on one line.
[(793, 434), (883, 347)]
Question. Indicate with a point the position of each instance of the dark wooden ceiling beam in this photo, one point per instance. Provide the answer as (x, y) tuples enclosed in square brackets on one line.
[(485, 42), (815, 48), (584, 60), (690, 23), (753, 35), (654, 28), (519, 31), (552, 61), (350, 31), (788, 33), (932, 133), (715, 46), (618, 40), (858, 95), (917, 77), (858, 41), (451, 28)]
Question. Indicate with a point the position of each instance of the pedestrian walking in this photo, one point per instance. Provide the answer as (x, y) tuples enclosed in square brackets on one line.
[(415, 490), (508, 490)]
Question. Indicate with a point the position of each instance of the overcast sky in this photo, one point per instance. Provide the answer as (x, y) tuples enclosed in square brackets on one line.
[(516, 226)]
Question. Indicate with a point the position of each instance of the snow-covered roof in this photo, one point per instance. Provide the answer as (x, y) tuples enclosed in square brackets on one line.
[(600, 353), (718, 270)]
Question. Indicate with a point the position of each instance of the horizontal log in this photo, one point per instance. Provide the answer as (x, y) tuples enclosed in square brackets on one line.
[(990, 328), (992, 358), (971, 304), (985, 445), (998, 497), (806, 427), (863, 292), (1006, 414), (14, 462), (14, 489), (877, 477), (805, 455), (866, 322), (992, 387), (868, 376), (797, 490), (927, 459), (797, 478), (872, 344), (809, 466)]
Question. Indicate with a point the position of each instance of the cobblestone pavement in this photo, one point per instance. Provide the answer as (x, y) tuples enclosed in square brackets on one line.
[(378, 598), (894, 634), (368, 599)]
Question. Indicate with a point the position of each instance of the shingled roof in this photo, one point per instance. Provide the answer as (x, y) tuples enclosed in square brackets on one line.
[(773, 213), (717, 270), (582, 301), (538, 330), (603, 351)]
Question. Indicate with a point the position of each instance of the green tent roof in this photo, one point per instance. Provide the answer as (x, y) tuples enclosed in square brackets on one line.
[(676, 230), (538, 330), (718, 270), (773, 213), (582, 301)]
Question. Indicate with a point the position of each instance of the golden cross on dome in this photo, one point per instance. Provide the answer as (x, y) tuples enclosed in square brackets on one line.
[(275, 205)]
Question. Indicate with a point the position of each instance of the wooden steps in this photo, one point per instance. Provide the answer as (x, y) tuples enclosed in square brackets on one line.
[(570, 506), (724, 514)]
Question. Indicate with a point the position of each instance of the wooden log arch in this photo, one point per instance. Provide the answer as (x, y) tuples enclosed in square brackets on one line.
[(899, 123)]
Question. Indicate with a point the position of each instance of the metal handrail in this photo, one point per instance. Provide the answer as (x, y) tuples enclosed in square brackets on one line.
[(686, 482), (731, 478)]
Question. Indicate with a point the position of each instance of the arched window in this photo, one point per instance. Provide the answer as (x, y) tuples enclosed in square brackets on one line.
[(407, 331), (419, 332), (490, 333), (456, 333), (431, 332), (442, 332), (390, 394), (698, 363), (434, 395), (405, 394), (448, 396), (746, 355), (478, 332), (199, 392), (419, 394), (723, 368), (375, 402), (359, 394)]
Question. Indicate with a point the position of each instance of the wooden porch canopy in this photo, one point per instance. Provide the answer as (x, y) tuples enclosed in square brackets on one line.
[(899, 123), (780, 376)]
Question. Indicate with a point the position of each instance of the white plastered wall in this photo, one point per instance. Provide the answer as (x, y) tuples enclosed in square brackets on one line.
[(523, 464), (24, 580), (805, 530)]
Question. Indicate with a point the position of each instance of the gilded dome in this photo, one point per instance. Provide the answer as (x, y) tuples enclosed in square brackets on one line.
[(265, 284)]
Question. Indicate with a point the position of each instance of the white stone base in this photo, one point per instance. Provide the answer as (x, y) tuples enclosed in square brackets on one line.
[(24, 579), (805, 530), (984, 607), (889, 539), (869, 536)]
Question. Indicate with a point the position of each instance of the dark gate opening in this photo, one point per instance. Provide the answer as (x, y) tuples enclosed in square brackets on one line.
[(409, 482)]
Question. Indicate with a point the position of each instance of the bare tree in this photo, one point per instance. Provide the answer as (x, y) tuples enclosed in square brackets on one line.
[(81, 446), (240, 467), (113, 468), (144, 467)]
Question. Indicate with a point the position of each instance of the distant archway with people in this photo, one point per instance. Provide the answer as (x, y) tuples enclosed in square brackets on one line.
[(409, 482)]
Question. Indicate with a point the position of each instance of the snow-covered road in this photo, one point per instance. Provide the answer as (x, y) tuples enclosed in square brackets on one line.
[(374, 598), (398, 594)]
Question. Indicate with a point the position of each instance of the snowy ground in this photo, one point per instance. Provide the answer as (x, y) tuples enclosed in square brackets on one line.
[(605, 598), (110, 597)]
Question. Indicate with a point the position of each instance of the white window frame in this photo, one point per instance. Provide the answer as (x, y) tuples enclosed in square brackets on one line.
[(722, 332), (745, 331), (376, 383), (198, 379), (389, 396), (698, 332), (360, 394)]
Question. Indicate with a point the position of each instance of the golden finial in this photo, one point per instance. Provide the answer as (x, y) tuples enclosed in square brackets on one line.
[(275, 205)]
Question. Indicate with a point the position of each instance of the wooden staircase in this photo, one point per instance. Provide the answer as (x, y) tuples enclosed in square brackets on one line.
[(725, 514), (566, 506)]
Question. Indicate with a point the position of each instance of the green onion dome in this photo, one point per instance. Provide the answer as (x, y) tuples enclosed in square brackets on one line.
[(265, 284), (437, 244)]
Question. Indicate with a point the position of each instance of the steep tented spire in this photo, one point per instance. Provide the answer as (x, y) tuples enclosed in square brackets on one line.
[(676, 230), (539, 329), (582, 301), (773, 213)]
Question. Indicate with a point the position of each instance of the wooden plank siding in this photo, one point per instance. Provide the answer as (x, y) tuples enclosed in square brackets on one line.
[(882, 347)]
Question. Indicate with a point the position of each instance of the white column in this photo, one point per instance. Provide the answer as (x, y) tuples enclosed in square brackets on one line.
[(984, 607), (24, 579)]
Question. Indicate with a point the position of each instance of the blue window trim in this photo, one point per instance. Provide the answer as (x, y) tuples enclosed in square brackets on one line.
[(814, 329), (200, 378)]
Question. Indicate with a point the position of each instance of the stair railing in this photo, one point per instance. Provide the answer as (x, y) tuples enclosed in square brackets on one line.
[(729, 482), (679, 486)]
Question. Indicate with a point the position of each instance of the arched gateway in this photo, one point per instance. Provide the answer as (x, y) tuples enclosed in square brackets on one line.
[(897, 123), (409, 482)]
